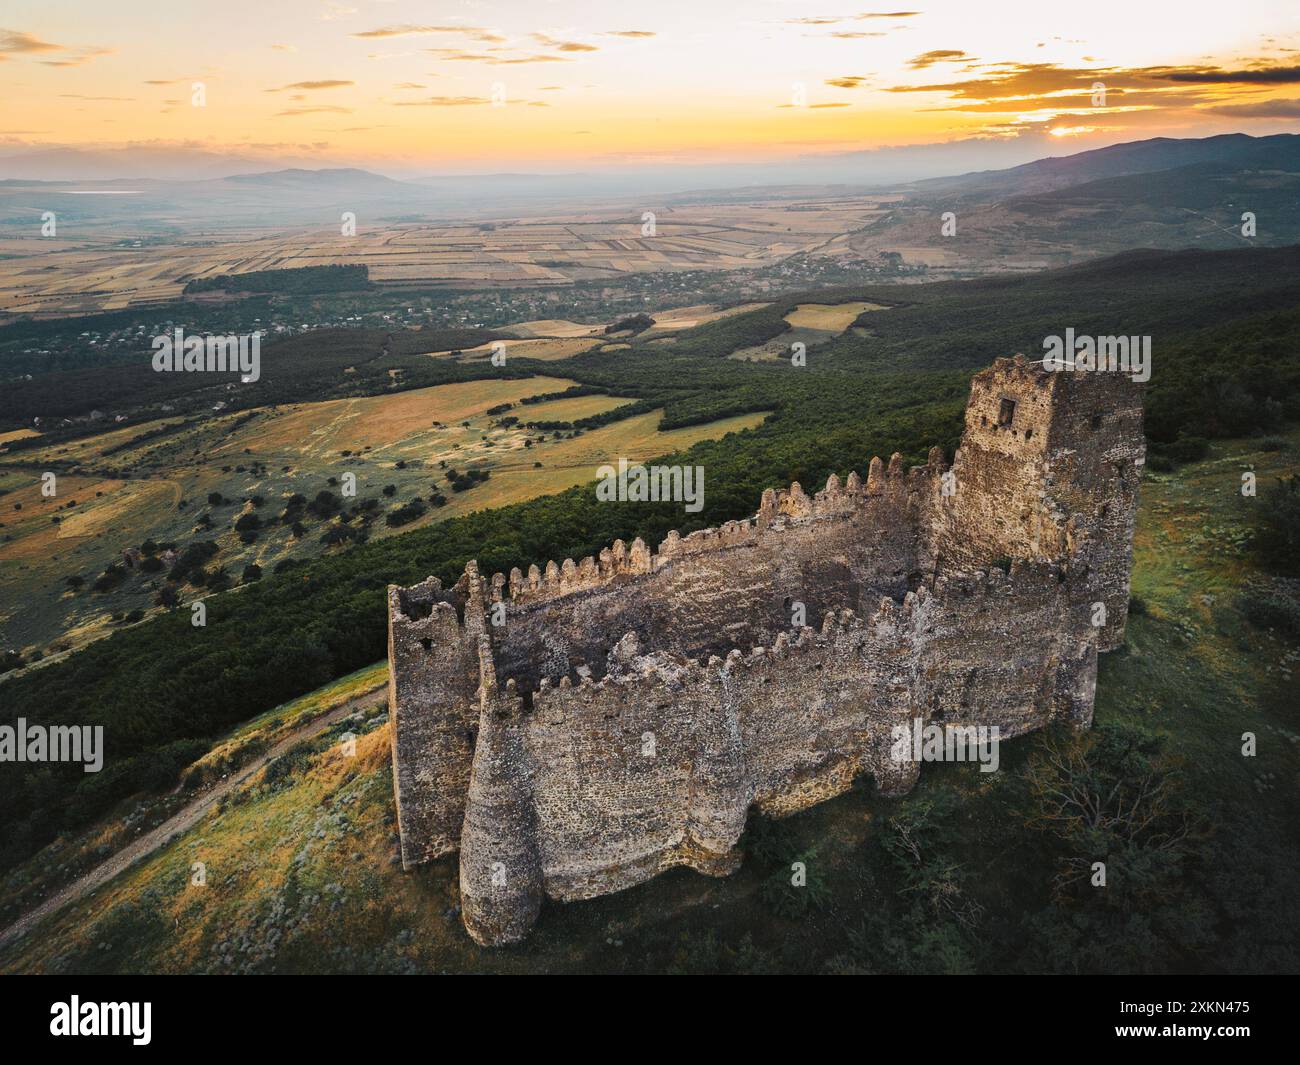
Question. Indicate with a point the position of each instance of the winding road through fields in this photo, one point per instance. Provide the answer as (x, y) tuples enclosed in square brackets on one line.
[(184, 819)]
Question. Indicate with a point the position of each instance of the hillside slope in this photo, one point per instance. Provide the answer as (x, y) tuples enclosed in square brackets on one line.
[(966, 874)]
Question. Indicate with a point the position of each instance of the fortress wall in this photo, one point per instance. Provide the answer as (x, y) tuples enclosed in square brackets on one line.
[(619, 743), (609, 814), (432, 680), (734, 586), (658, 764), (1097, 453), (998, 649)]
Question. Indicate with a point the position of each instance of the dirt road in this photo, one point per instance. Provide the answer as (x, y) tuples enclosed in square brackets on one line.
[(183, 819)]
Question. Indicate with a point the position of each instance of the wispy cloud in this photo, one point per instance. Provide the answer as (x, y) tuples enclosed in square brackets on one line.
[(1259, 109), (15, 42), (329, 83), (563, 46), (445, 101), (455, 55), (938, 55), (832, 20), (1215, 76), (78, 58), (478, 33), (319, 109)]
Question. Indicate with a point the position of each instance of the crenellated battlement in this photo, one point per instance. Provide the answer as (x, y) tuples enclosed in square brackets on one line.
[(581, 727), (778, 508)]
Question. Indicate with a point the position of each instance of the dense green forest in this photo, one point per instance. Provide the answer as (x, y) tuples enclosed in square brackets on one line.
[(322, 364), (1226, 330)]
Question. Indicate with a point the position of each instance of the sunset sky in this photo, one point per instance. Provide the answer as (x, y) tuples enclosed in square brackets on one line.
[(585, 84)]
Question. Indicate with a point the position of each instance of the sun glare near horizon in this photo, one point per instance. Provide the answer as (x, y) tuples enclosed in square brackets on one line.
[(584, 84)]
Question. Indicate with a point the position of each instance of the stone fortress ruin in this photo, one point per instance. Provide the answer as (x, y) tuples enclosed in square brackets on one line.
[(577, 730)]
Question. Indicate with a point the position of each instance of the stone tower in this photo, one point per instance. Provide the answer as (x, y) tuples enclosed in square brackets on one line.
[(1048, 469)]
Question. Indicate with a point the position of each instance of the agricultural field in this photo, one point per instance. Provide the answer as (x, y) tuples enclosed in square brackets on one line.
[(810, 324), (195, 483), (81, 271)]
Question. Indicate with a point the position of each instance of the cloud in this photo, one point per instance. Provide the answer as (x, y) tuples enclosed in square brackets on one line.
[(17, 43), (1214, 76), (1117, 99), (408, 30), (86, 55), (851, 81), (14, 42), (855, 35), (628, 33), (938, 55), (563, 46), (1260, 109), (80, 96), (445, 101), (1007, 81), (330, 109), (831, 20), (409, 85), (284, 47), (455, 55), (331, 83)]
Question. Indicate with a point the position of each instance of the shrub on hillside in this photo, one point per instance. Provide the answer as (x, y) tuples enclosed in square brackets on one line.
[(1277, 527)]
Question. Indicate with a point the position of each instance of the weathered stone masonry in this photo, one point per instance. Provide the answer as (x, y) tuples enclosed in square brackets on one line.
[(626, 712)]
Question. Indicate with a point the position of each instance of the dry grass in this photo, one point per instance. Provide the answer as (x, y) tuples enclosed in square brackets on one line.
[(570, 462), (832, 317)]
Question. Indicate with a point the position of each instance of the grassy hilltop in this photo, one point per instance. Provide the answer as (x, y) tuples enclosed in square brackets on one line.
[(970, 873)]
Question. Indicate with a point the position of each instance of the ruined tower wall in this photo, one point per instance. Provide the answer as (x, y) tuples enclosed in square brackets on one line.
[(432, 682), (1097, 450), (995, 511), (999, 649), (1048, 469)]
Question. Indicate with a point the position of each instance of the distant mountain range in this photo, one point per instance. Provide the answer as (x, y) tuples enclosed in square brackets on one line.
[(1157, 193), (1234, 150)]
